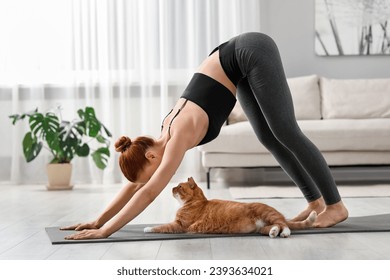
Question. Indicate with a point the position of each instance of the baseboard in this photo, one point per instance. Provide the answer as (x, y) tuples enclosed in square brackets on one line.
[(275, 175)]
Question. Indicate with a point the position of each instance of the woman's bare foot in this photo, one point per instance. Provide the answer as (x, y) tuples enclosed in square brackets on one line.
[(332, 215), (317, 205)]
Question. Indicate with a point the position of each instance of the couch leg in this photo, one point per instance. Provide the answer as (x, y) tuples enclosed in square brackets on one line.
[(208, 178)]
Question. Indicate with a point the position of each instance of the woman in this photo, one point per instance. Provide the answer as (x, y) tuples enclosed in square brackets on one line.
[(250, 65)]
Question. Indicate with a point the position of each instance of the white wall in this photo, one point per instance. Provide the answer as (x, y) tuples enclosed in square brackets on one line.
[(291, 24)]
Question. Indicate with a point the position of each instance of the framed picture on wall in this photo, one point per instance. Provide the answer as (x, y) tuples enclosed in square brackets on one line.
[(352, 27)]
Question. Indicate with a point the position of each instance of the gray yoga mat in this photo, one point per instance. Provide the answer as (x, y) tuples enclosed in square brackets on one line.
[(375, 223)]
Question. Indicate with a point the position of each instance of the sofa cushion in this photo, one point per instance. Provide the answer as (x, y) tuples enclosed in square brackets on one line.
[(327, 135), (235, 138), (349, 134), (237, 114), (355, 99), (305, 92)]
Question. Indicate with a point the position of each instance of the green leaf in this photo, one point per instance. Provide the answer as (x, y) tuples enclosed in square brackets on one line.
[(40, 125), (100, 157), (68, 147), (36, 125), (74, 129), (31, 147), (53, 141), (82, 151), (80, 127), (81, 114), (92, 123), (101, 139), (106, 130), (17, 117)]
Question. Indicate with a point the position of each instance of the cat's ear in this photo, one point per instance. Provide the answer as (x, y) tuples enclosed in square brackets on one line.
[(191, 182)]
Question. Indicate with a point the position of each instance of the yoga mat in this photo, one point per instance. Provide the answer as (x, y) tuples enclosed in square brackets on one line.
[(375, 223)]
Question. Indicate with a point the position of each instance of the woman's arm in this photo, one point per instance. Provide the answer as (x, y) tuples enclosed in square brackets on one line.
[(112, 209), (173, 155), (119, 202)]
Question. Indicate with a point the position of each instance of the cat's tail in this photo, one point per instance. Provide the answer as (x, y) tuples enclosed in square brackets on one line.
[(308, 223)]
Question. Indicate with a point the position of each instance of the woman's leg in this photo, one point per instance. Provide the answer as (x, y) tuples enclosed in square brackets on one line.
[(260, 61), (285, 158)]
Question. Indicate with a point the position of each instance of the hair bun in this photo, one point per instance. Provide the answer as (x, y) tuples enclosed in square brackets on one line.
[(122, 144)]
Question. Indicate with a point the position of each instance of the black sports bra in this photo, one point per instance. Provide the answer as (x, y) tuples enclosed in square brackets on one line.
[(213, 97)]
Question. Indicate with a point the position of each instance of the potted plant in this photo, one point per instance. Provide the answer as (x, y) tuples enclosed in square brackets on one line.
[(64, 140)]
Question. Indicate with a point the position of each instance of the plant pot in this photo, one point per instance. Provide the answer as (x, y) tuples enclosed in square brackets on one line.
[(59, 176)]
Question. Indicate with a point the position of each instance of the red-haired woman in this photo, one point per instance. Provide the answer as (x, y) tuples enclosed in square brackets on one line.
[(250, 67)]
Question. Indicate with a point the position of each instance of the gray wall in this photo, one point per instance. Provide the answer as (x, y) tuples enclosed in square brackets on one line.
[(291, 24)]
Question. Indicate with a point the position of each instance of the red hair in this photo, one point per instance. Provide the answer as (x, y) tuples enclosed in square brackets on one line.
[(132, 159)]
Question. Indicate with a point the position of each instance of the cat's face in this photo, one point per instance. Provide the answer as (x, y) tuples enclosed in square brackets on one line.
[(185, 191)]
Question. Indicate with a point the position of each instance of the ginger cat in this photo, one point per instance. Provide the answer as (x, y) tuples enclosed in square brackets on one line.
[(199, 215)]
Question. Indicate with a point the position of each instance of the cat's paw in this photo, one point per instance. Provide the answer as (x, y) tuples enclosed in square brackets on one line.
[(148, 229), (286, 232), (274, 231)]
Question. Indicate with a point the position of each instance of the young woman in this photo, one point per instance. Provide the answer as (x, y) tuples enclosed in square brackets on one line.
[(250, 66)]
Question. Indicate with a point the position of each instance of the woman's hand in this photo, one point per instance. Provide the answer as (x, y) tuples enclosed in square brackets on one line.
[(81, 226), (87, 234)]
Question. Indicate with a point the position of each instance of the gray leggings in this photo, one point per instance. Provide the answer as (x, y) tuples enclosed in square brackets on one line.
[(266, 100)]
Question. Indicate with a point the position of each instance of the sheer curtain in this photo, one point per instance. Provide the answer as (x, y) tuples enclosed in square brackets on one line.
[(129, 59)]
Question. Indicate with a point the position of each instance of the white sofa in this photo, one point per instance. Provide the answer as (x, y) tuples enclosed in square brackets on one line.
[(348, 120)]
